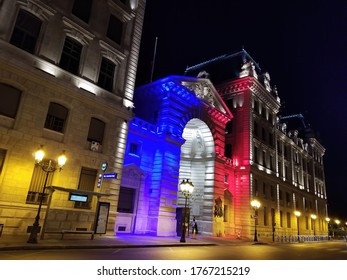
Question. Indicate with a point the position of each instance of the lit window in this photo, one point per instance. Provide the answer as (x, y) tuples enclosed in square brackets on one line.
[(71, 55), (56, 117), (26, 31), (12, 97), (106, 75)]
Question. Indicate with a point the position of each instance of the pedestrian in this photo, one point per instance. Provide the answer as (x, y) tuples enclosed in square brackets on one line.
[(194, 227)]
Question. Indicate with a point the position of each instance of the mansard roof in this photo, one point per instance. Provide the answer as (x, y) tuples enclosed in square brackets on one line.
[(295, 126), (229, 67), (223, 68)]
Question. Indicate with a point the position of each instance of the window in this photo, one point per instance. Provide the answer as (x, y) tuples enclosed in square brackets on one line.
[(272, 163), (134, 149), (12, 97), (115, 29), (281, 218), (271, 141), (106, 75), (56, 117), (71, 55), (256, 187), (36, 186), (2, 158), (256, 160), (96, 130), (126, 200), (288, 201), (26, 31), (255, 128), (229, 128), (265, 216), (272, 191), (288, 220), (82, 8), (87, 182), (228, 150), (264, 188), (263, 134)]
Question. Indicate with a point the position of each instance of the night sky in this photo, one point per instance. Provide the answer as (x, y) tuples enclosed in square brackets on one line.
[(302, 44)]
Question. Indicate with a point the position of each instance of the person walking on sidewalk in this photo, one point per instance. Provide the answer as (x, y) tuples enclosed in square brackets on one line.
[(194, 228)]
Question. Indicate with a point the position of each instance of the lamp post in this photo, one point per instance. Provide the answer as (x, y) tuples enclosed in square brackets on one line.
[(48, 167), (337, 222), (298, 214), (314, 217), (187, 189), (255, 205), (327, 219)]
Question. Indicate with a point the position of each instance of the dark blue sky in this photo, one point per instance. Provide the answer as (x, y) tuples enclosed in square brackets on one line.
[(302, 44)]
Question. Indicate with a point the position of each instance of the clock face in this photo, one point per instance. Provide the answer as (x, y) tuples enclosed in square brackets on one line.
[(104, 166)]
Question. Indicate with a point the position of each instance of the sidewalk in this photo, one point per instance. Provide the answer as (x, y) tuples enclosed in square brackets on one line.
[(101, 241)]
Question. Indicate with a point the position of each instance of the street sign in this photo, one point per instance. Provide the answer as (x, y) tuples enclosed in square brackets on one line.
[(110, 176)]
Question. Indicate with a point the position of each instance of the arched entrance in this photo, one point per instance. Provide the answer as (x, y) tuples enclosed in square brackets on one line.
[(197, 165)]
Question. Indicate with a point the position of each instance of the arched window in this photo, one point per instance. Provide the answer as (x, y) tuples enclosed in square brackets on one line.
[(56, 117)]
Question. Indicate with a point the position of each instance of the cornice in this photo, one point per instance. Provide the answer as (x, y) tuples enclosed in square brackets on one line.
[(249, 83)]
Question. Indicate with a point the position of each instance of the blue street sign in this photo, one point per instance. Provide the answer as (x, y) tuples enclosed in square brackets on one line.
[(110, 176)]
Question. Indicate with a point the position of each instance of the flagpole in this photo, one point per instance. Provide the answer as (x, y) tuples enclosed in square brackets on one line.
[(154, 56)]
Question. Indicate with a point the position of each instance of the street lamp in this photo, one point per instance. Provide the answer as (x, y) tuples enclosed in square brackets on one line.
[(187, 189), (298, 214), (255, 205), (48, 167), (314, 217)]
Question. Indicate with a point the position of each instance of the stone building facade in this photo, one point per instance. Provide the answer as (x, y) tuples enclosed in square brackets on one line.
[(67, 76), (222, 130)]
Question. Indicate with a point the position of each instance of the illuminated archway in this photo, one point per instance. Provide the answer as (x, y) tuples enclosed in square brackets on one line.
[(197, 164)]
